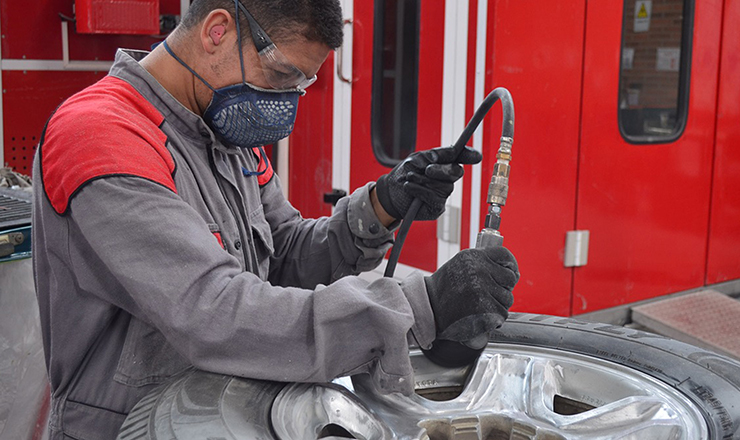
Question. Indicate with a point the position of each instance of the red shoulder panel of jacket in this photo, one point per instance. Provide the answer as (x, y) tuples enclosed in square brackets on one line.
[(264, 168), (108, 129)]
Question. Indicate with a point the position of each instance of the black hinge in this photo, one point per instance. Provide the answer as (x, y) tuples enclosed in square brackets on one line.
[(334, 196)]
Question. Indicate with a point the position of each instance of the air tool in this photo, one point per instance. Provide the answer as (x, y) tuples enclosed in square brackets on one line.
[(489, 236)]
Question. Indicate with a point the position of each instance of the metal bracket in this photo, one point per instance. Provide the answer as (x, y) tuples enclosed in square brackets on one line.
[(9, 241), (576, 248), (448, 225)]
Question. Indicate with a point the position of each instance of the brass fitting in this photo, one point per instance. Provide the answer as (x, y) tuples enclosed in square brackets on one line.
[(498, 190)]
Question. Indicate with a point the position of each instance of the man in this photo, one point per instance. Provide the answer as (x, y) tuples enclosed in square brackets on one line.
[(162, 240)]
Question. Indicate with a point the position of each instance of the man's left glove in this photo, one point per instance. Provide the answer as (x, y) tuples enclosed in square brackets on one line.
[(428, 175), (470, 296)]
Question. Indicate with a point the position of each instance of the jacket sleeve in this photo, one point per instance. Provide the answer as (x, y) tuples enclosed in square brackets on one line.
[(309, 252), (139, 246)]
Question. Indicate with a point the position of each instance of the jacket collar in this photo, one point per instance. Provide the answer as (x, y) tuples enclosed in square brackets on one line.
[(126, 67)]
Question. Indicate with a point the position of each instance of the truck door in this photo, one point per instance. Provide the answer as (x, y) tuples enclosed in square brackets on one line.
[(724, 235), (646, 148)]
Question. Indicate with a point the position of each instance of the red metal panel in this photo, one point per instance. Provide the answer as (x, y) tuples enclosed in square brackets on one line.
[(29, 98), (32, 30), (536, 53), (421, 245), (171, 7), (311, 146), (724, 238), (117, 16), (646, 206)]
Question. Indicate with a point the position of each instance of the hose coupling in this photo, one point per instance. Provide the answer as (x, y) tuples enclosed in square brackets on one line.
[(498, 190)]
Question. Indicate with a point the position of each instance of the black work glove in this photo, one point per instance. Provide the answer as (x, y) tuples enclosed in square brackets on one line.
[(470, 296), (428, 175)]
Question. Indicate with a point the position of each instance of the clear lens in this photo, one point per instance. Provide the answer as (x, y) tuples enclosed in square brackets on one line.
[(280, 73)]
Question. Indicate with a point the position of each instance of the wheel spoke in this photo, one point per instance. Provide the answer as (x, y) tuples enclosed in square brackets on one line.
[(543, 384), (621, 419), (497, 383)]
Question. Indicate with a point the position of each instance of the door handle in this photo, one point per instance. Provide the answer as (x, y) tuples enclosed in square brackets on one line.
[(340, 57)]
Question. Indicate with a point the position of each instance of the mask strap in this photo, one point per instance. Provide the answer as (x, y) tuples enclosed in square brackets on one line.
[(169, 51), (239, 37), (248, 173)]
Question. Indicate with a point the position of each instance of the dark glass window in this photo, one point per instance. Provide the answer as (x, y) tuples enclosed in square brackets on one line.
[(654, 74), (395, 79)]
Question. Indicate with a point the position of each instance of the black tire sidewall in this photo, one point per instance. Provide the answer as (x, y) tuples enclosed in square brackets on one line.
[(709, 380)]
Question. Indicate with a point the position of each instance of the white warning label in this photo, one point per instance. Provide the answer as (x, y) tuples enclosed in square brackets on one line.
[(643, 9)]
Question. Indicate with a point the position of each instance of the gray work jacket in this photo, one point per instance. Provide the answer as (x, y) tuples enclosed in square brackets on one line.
[(154, 253)]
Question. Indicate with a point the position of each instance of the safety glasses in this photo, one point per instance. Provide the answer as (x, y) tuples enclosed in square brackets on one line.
[(279, 72)]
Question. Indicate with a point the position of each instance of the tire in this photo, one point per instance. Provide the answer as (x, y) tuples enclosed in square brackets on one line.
[(579, 378)]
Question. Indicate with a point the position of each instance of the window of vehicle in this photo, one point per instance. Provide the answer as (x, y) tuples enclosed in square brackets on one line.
[(654, 73), (395, 79)]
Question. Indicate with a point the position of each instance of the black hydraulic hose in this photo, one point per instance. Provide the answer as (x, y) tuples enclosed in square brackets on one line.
[(403, 231), (507, 126), (507, 130)]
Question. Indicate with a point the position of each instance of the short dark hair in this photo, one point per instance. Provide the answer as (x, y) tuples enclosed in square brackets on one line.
[(315, 20)]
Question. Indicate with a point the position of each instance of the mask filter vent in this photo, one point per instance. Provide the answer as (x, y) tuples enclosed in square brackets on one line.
[(246, 117)]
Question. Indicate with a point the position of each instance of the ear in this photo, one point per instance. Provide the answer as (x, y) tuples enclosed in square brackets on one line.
[(216, 26)]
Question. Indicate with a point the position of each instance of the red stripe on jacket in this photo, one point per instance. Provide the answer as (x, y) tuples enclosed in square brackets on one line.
[(108, 129), (264, 167)]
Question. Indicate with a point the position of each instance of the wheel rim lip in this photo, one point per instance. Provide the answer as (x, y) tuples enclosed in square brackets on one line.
[(578, 375)]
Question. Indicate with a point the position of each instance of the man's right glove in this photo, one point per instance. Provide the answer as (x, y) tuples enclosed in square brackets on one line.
[(470, 296), (428, 175)]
